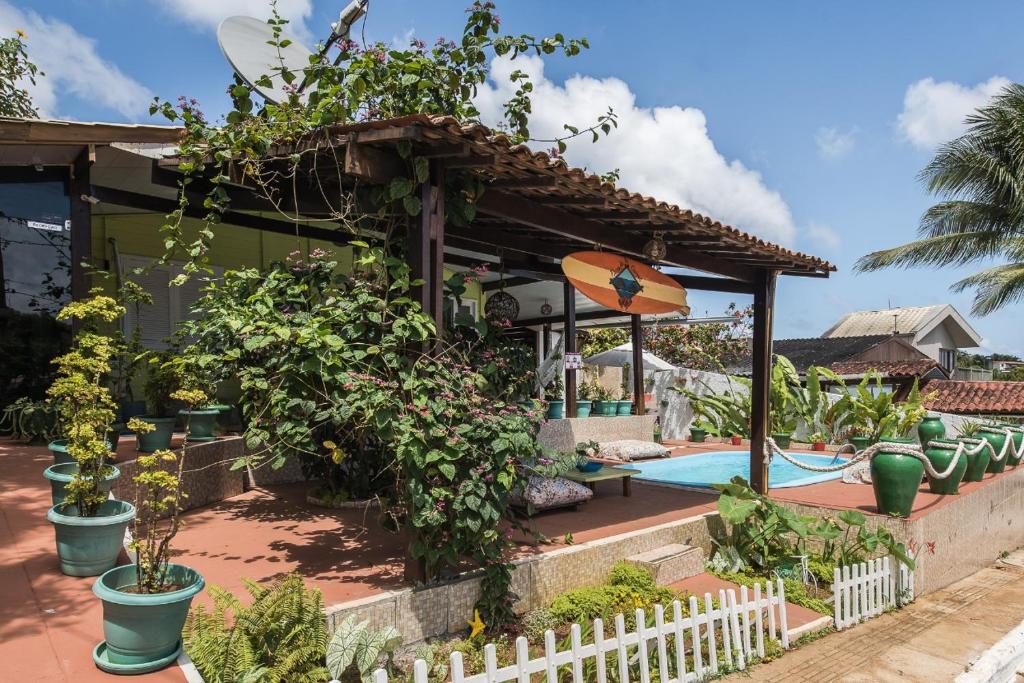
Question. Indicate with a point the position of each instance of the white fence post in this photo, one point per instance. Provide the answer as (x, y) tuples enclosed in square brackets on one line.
[(865, 590)]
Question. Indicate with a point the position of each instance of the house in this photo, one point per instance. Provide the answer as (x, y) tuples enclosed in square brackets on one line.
[(937, 331)]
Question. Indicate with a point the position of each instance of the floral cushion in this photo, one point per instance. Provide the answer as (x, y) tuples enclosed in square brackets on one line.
[(632, 449), (544, 493)]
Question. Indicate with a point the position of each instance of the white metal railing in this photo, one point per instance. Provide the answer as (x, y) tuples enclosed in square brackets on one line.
[(677, 648), (865, 590)]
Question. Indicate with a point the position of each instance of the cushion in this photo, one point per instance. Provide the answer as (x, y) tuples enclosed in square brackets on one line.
[(628, 450), (544, 493)]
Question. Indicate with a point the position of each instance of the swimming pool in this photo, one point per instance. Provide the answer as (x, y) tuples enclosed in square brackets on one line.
[(719, 467)]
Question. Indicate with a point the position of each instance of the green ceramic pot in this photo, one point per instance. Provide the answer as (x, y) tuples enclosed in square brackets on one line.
[(158, 439), (782, 439), (223, 417), (895, 479), (930, 429), (201, 423), (142, 632), (1018, 440), (860, 442), (59, 449), (998, 440), (556, 409), (698, 435), (583, 408), (60, 475), (976, 463), (89, 546), (624, 408), (940, 457)]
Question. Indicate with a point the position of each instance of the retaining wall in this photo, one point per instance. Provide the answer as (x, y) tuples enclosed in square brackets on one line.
[(563, 435)]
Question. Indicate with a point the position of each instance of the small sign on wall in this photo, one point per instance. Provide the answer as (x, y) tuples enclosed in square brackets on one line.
[(573, 361)]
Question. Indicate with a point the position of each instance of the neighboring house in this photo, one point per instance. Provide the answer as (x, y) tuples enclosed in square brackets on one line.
[(1006, 365), (893, 357), (937, 331), (976, 398)]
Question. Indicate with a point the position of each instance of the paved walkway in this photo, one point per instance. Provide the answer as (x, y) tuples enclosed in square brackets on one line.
[(934, 639)]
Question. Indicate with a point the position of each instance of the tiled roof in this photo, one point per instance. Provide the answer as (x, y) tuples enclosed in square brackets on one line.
[(888, 368), (824, 351), (979, 398), (888, 322)]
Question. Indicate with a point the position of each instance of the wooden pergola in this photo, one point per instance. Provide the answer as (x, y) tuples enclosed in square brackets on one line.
[(535, 211)]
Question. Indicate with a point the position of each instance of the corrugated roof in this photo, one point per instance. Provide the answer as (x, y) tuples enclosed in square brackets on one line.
[(824, 351), (905, 320), (976, 398)]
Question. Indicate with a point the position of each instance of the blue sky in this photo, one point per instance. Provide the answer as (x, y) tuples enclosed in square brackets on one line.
[(805, 122)]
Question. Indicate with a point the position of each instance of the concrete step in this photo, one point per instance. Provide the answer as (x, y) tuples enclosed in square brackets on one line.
[(670, 563)]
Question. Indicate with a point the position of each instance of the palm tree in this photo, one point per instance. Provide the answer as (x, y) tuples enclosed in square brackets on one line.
[(981, 176)]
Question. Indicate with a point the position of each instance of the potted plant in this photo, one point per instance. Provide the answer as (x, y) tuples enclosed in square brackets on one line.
[(625, 406), (89, 527), (896, 477), (145, 604), (818, 440), (859, 437), (736, 440), (698, 433), (583, 402), (162, 380), (556, 402), (940, 453)]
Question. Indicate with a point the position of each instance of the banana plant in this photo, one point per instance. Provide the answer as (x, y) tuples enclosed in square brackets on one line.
[(724, 414)]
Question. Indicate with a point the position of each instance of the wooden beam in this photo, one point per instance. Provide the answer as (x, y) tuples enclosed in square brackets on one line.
[(509, 282), (580, 317), (569, 334), (522, 210), (760, 397), (419, 251), (443, 150), (473, 161), (619, 215), (637, 338), (81, 223), (508, 240), (371, 164), (558, 200), (713, 284), (437, 178)]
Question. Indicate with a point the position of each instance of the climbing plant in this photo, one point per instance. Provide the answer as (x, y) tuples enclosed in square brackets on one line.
[(16, 72)]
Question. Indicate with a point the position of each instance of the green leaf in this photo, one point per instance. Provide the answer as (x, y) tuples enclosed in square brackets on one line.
[(400, 187)]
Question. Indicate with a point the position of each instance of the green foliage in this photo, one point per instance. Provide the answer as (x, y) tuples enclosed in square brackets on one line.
[(15, 72), (32, 421), (280, 637), (355, 649), (628, 588), (163, 378), (876, 414), (600, 339), (711, 347), (796, 591), (979, 176), (83, 399), (722, 414)]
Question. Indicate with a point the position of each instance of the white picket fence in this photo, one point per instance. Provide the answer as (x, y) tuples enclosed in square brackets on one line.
[(865, 590), (679, 650)]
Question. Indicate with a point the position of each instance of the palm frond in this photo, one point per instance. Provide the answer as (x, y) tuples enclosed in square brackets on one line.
[(944, 250), (994, 287)]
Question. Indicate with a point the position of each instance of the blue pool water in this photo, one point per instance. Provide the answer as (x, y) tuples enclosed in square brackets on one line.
[(719, 467)]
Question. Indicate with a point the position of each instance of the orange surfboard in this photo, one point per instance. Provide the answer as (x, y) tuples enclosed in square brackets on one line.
[(623, 284)]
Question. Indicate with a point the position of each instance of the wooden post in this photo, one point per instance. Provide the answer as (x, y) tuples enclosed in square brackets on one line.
[(636, 332), (545, 347), (764, 303), (419, 252), (81, 223), (569, 331), (436, 210)]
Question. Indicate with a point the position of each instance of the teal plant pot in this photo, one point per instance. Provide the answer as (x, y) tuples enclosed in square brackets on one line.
[(860, 442), (1018, 440), (624, 408), (201, 423), (597, 407), (114, 435), (89, 546), (895, 479), (60, 475), (583, 408), (940, 457), (782, 439), (59, 449), (698, 435), (609, 408), (930, 429), (223, 416), (997, 441), (158, 439), (556, 409), (142, 632)]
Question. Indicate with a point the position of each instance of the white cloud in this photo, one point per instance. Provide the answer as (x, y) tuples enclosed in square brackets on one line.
[(934, 112), (664, 152), (72, 66), (834, 144), (207, 14), (823, 235)]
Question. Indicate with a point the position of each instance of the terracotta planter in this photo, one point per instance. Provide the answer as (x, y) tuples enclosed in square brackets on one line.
[(895, 479), (940, 457), (818, 446), (736, 440)]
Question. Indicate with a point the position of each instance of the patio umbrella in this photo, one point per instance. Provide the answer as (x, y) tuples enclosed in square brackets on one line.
[(623, 355)]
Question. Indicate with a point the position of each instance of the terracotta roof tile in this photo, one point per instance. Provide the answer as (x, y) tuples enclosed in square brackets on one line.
[(888, 368), (985, 398)]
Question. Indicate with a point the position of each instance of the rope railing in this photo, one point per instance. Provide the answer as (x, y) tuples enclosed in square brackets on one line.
[(868, 453)]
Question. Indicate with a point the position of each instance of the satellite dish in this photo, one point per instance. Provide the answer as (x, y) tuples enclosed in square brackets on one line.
[(245, 44)]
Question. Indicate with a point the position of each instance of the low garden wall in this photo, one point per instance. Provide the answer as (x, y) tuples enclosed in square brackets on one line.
[(425, 612), (208, 476), (563, 435)]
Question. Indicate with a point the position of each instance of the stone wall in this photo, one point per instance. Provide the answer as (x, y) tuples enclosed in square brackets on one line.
[(563, 435), (420, 613), (208, 476)]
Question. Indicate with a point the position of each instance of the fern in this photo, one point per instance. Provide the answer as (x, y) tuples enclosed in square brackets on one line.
[(280, 637)]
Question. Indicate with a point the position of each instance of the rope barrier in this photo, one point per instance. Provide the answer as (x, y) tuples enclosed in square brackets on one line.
[(1008, 444), (868, 453)]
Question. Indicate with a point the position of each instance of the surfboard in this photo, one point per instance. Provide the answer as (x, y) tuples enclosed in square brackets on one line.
[(623, 284)]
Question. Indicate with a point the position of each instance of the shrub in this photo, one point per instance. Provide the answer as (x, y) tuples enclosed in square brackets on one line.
[(628, 588)]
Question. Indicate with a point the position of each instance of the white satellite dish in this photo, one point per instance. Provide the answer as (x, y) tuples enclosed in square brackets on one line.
[(244, 42)]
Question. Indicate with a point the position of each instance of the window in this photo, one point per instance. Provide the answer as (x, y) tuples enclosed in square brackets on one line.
[(468, 307), (170, 306), (947, 359)]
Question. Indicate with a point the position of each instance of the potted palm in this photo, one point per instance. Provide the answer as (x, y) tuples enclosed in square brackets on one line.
[(736, 440), (162, 380), (625, 406), (553, 393), (89, 526), (896, 477), (145, 603)]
